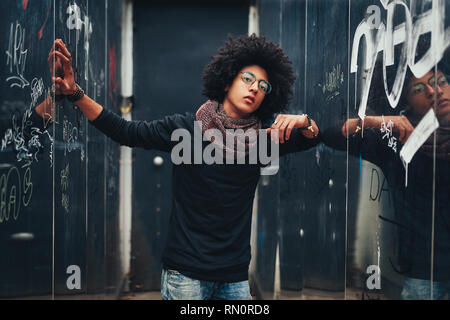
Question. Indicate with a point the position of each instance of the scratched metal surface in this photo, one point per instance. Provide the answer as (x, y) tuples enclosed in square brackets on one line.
[(59, 202), (326, 98), (341, 202), (268, 187), (26, 175), (380, 209), (111, 173), (292, 166)]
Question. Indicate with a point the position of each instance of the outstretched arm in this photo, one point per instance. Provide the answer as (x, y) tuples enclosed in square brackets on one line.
[(348, 135), (154, 134), (65, 84), (401, 125), (296, 133), (286, 122), (46, 108)]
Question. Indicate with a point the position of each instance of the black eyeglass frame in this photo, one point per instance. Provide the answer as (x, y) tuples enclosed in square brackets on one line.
[(259, 82)]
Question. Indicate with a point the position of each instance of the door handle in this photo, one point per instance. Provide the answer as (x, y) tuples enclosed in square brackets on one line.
[(158, 161)]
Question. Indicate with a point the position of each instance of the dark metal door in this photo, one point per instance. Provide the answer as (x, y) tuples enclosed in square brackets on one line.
[(173, 41)]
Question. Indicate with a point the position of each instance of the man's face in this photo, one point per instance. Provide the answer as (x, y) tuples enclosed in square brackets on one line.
[(422, 94), (244, 97)]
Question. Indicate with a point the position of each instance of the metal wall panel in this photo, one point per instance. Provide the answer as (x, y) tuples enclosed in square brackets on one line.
[(58, 190)]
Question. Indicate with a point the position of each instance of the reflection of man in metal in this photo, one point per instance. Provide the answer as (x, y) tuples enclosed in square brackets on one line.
[(208, 248), (418, 97), (424, 243)]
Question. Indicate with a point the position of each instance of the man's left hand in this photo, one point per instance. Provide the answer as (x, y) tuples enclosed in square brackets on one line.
[(286, 122)]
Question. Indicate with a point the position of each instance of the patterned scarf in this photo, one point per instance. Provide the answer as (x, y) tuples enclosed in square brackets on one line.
[(442, 141), (442, 144), (213, 116)]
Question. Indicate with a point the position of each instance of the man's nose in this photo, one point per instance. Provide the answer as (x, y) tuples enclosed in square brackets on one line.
[(254, 87), (431, 91), (440, 92)]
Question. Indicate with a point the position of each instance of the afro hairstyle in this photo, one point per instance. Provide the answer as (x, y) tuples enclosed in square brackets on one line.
[(247, 50)]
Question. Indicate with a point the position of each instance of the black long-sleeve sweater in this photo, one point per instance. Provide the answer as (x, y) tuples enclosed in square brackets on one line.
[(210, 223)]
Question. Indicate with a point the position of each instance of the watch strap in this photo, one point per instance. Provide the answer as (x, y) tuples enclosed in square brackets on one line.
[(77, 95), (309, 127)]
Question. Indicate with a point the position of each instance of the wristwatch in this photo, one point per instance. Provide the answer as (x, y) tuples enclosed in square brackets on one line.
[(77, 95), (359, 126), (309, 127)]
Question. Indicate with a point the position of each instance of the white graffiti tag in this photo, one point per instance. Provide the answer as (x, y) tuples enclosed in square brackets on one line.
[(407, 35), (387, 129), (16, 56)]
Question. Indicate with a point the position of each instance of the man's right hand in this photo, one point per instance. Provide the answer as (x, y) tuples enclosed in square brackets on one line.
[(55, 66), (402, 126), (63, 75)]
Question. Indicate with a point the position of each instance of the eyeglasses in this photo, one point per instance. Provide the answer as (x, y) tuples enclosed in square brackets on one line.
[(419, 88), (249, 79)]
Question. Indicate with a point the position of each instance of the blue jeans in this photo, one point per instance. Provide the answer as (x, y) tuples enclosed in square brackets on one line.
[(175, 286), (418, 289)]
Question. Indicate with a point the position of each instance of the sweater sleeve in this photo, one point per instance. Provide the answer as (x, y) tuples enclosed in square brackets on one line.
[(368, 142), (155, 134), (36, 121), (298, 142)]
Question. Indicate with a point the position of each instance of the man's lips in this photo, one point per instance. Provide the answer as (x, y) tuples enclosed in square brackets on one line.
[(249, 98), (443, 102), (440, 103), (443, 109)]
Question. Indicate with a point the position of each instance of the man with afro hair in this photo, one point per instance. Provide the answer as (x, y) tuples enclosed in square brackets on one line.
[(207, 253)]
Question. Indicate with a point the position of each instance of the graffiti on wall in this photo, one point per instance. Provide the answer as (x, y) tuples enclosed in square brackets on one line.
[(381, 37)]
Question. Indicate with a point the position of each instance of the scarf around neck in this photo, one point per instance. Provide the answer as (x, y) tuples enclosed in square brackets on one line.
[(213, 116), (442, 141), (442, 144)]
